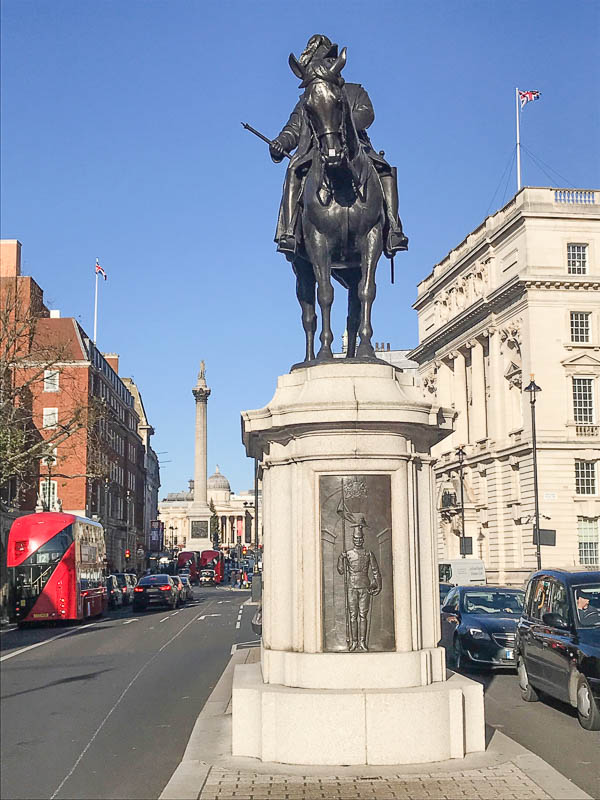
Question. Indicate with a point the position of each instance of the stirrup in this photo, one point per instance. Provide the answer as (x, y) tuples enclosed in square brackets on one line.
[(396, 242), (286, 244)]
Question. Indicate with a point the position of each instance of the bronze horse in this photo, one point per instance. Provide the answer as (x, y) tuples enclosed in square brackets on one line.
[(342, 216)]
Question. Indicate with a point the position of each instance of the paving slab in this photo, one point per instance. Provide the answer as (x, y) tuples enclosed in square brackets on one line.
[(208, 771)]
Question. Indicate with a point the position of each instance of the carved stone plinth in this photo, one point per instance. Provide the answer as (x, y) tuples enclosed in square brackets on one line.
[(350, 669)]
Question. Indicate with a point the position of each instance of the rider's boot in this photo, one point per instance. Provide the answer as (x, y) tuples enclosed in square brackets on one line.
[(395, 239), (353, 635), (286, 243)]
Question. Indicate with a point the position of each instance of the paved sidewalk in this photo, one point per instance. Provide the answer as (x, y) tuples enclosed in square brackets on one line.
[(208, 771)]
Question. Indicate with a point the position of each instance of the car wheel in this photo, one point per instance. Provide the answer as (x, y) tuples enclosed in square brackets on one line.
[(588, 713), (528, 693)]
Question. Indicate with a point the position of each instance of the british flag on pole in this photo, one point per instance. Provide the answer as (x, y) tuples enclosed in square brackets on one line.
[(528, 97), (100, 270)]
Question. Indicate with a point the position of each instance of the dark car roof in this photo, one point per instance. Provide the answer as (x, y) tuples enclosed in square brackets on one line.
[(572, 577), (475, 587), (161, 578)]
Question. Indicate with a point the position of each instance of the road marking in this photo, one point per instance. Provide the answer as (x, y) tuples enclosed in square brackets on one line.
[(128, 621), (173, 614), (237, 625), (244, 646), (121, 696), (47, 641), (163, 619), (204, 616)]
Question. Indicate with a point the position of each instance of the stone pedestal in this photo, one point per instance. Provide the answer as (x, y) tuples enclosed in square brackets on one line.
[(345, 447)]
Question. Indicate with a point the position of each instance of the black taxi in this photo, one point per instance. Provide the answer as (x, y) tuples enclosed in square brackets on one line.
[(557, 645)]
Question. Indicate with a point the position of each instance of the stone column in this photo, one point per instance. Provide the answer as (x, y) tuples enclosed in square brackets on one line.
[(478, 406), (461, 433), (201, 394)]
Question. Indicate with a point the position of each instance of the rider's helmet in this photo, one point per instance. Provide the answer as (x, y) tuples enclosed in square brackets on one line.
[(318, 47)]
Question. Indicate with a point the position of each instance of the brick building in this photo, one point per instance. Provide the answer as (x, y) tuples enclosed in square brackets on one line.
[(99, 469)]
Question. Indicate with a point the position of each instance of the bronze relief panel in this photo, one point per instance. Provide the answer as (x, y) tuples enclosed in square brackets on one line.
[(356, 554)]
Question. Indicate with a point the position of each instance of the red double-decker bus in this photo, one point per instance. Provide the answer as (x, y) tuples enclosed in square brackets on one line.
[(190, 559), (56, 562), (213, 559)]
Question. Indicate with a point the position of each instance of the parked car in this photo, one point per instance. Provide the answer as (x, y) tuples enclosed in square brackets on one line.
[(189, 592), (207, 577), (156, 589), (558, 641), (113, 592), (181, 592), (479, 625), (126, 583)]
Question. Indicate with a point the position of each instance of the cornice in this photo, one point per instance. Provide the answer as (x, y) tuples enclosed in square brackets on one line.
[(466, 321)]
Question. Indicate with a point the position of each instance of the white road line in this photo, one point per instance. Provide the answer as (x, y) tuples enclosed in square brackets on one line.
[(121, 696), (164, 619), (128, 621), (173, 614), (47, 641), (237, 625), (204, 616)]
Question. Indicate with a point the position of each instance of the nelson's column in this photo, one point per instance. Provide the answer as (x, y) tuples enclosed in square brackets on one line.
[(199, 513)]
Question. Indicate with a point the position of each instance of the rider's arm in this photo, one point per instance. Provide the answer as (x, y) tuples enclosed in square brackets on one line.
[(290, 133), (362, 110)]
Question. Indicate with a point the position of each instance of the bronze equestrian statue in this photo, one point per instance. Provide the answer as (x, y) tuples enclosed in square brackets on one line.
[(339, 209)]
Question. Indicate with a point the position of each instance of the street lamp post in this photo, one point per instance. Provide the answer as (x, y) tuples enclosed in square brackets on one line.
[(256, 515), (127, 504), (461, 457), (533, 389), (49, 462)]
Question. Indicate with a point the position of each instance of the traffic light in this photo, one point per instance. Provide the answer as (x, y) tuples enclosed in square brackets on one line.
[(127, 553), (244, 550)]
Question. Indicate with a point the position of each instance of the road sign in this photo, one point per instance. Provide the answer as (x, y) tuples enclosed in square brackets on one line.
[(466, 545), (547, 537)]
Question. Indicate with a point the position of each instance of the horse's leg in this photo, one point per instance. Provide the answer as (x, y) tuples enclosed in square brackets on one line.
[(318, 252), (305, 292), (352, 277), (370, 253)]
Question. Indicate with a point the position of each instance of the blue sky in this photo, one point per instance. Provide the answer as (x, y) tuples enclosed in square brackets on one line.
[(121, 140)]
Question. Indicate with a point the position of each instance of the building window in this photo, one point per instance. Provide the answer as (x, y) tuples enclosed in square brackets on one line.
[(51, 380), (585, 477), (583, 400), (577, 259), (50, 418), (587, 532), (48, 493), (580, 326)]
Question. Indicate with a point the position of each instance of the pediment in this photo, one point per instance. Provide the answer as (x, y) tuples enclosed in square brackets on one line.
[(582, 360)]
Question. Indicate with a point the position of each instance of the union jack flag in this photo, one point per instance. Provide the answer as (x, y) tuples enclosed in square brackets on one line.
[(528, 97), (100, 270)]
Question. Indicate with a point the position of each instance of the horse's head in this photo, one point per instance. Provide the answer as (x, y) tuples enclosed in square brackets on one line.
[(324, 102)]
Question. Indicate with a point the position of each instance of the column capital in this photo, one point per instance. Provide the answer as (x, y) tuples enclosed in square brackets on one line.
[(201, 395)]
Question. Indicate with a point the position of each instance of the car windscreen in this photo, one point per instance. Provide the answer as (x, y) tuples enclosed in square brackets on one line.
[(121, 580), (587, 604), (493, 602), (150, 580)]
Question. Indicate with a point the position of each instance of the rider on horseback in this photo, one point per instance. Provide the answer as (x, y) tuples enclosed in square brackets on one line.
[(320, 53)]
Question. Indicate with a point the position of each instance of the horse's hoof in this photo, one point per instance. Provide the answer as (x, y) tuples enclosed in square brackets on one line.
[(325, 354), (365, 351)]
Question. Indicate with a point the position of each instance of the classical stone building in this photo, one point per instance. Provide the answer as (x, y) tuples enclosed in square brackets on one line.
[(519, 295)]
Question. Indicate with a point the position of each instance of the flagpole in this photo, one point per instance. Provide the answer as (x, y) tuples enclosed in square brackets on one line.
[(96, 306), (518, 141)]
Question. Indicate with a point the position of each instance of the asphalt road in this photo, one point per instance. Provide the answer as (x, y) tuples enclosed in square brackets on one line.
[(106, 709), (548, 728)]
